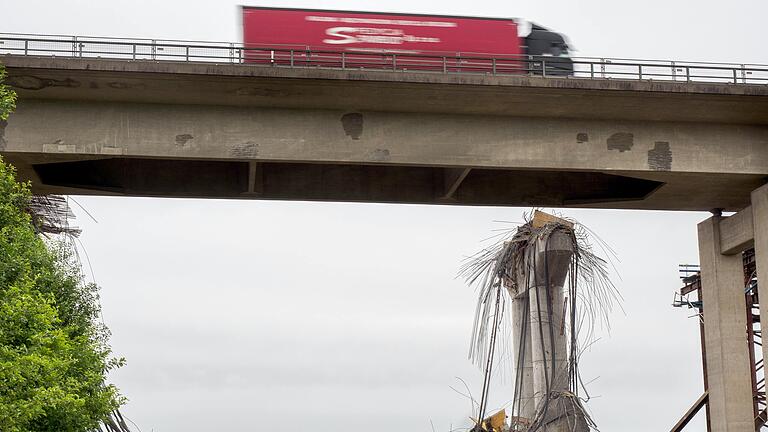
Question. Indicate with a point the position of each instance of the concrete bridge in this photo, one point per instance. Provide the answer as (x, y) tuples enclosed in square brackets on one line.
[(197, 129), (136, 126)]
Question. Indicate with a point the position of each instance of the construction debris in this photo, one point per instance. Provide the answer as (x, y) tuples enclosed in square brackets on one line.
[(51, 215), (542, 289)]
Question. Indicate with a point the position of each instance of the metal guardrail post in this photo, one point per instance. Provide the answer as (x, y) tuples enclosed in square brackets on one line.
[(735, 78), (134, 50), (688, 74), (674, 71), (592, 70), (640, 71), (74, 46), (291, 58), (26, 47), (530, 65), (493, 65), (543, 68), (153, 49), (445, 65), (186, 53), (602, 67), (743, 75), (343, 60)]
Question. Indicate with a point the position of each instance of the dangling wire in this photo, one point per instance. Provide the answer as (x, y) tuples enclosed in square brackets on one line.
[(489, 363), (588, 299)]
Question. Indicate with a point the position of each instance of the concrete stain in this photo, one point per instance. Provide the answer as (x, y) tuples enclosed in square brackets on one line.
[(380, 155), (660, 156), (181, 140), (353, 125), (582, 137), (29, 82), (261, 91), (248, 150), (621, 141)]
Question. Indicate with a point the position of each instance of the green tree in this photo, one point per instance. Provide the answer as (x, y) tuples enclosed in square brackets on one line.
[(54, 355), (7, 97)]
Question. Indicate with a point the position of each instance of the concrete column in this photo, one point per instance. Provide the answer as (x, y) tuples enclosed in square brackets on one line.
[(549, 260), (521, 345), (725, 328), (760, 224)]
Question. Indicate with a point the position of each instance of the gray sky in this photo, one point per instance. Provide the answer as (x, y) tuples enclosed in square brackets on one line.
[(248, 315)]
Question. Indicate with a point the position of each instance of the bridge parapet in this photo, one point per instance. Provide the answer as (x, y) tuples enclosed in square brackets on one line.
[(294, 56)]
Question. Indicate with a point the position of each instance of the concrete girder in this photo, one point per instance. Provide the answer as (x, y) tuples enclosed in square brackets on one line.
[(655, 164)]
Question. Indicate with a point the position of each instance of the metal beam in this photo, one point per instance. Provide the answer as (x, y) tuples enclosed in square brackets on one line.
[(453, 179), (691, 413), (255, 178)]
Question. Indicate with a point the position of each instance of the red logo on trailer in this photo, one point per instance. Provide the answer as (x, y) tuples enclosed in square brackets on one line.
[(283, 30)]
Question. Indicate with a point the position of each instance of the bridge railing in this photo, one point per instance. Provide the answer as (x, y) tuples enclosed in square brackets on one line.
[(446, 63)]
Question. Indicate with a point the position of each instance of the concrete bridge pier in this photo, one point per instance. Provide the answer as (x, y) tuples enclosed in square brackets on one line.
[(722, 240)]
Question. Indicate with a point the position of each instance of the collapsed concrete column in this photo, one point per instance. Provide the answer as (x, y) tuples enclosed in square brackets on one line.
[(529, 269), (521, 347), (548, 260), (725, 322)]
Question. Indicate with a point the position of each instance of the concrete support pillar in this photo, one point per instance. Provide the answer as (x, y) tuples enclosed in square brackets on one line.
[(521, 346), (549, 260), (725, 328), (760, 224)]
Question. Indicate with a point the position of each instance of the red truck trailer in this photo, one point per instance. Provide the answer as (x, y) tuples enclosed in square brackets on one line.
[(400, 41)]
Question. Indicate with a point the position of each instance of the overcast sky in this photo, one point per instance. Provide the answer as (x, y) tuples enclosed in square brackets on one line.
[(249, 315)]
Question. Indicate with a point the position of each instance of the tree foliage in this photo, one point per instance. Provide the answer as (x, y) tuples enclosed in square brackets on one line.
[(7, 97), (54, 355)]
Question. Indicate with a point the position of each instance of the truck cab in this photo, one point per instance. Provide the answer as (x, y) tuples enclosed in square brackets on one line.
[(548, 52)]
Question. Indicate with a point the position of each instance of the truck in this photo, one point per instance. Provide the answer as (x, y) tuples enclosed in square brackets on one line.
[(365, 40)]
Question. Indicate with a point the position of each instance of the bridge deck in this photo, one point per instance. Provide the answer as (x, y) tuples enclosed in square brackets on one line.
[(253, 131)]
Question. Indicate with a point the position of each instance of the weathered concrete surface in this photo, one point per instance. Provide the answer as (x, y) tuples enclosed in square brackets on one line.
[(370, 90), (727, 355), (176, 129)]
